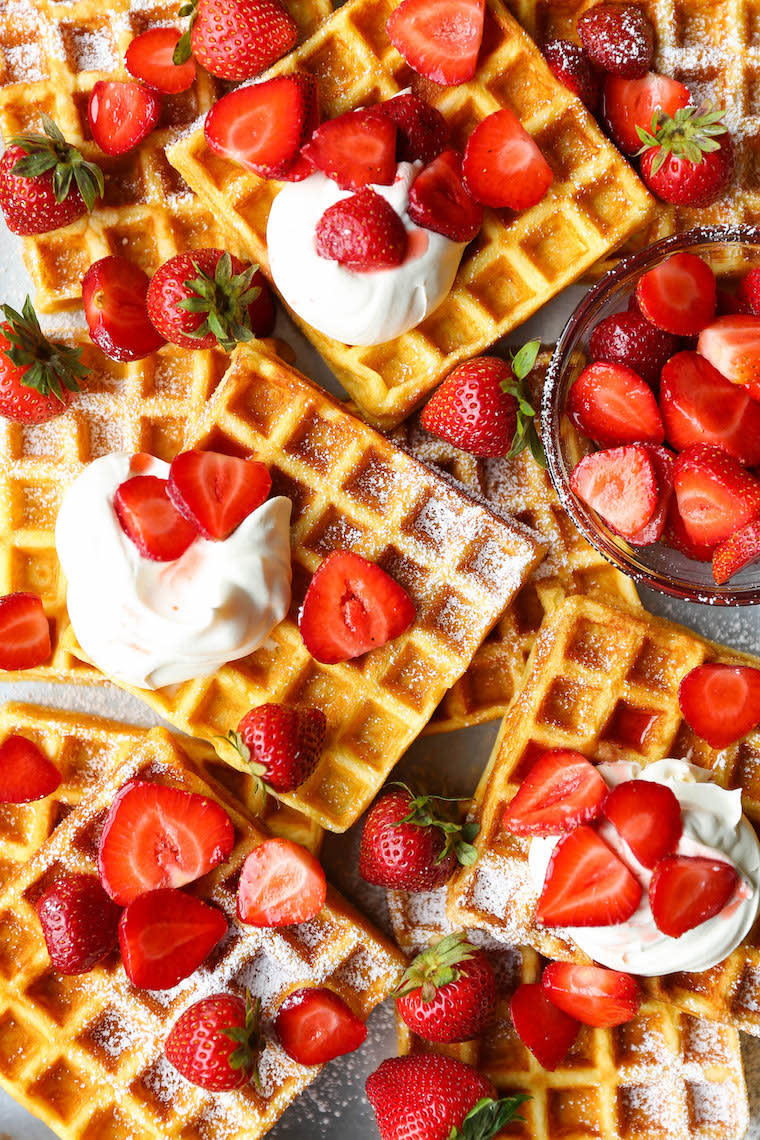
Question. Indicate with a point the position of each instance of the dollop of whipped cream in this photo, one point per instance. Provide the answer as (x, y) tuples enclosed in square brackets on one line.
[(151, 624), (356, 308), (713, 827)]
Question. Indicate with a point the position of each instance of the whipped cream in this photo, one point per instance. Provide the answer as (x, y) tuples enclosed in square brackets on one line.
[(152, 624), (713, 827), (356, 308)]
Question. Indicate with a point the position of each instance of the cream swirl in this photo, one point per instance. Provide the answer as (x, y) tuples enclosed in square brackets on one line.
[(152, 624)]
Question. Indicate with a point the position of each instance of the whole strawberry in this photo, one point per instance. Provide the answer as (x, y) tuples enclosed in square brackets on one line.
[(688, 158), (449, 991), (362, 232), (619, 38), (629, 338), (749, 293), (408, 845), (281, 744), (216, 1042), (236, 39), (570, 65), (37, 376), (45, 182), (79, 923), (423, 133)]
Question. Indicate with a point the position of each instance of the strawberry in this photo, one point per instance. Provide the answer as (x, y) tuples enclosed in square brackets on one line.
[(739, 550), (679, 295), (749, 292), (356, 149), (586, 884), (216, 1042), (561, 790), (351, 607), (620, 485), (439, 200), (314, 1025), (407, 844), (155, 836), (281, 744), (612, 405), (721, 703), (422, 133), (570, 65), (448, 993), (45, 183), (732, 345), (362, 232), (236, 39), (730, 302), (647, 816), (682, 161), (433, 1097), (483, 407), (79, 923), (542, 1026), (263, 126), (149, 518), (593, 995), (663, 463), (619, 38), (281, 884), (165, 935), (701, 406), (715, 494), (217, 492), (114, 293), (502, 165), (686, 891), (150, 57), (26, 774), (24, 632), (628, 104), (630, 339), (37, 375), (677, 537), (439, 39), (122, 113)]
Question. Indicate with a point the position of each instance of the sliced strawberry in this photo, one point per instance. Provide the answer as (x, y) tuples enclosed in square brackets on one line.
[(422, 131), (561, 791), (150, 57), (262, 126), (647, 816), (314, 1025), (591, 994), (679, 295), (732, 345), (686, 891), (26, 774), (631, 103), (351, 607), (620, 485), (700, 406), (439, 201), (122, 114), (439, 39), (570, 65), (748, 293), (630, 339), (155, 836), (114, 296), (216, 492), (165, 935), (721, 703), (739, 550), (362, 232), (542, 1027), (612, 405), (24, 632), (281, 884), (715, 494), (149, 518), (586, 884), (678, 538), (356, 149), (502, 165), (663, 462)]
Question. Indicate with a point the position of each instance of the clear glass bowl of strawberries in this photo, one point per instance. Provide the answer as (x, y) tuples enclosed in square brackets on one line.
[(651, 416)]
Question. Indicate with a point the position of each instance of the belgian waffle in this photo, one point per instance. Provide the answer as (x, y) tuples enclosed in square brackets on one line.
[(350, 488), (515, 265), (605, 682), (52, 54), (85, 1053)]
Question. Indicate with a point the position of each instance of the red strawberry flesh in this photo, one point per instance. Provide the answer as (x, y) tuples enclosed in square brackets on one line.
[(592, 994), (281, 884), (542, 1027), (24, 632), (26, 773), (732, 345), (216, 492), (114, 297), (263, 126), (165, 935), (439, 200), (721, 702), (586, 884), (715, 494), (612, 405), (149, 518), (648, 817), (439, 39), (503, 166), (735, 553), (679, 295), (150, 58), (620, 485), (686, 891), (561, 790), (356, 149), (699, 405), (315, 1025), (122, 114)]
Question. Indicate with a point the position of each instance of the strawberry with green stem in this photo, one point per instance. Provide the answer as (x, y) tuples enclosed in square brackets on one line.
[(216, 1042), (687, 159), (448, 993), (37, 375), (236, 39)]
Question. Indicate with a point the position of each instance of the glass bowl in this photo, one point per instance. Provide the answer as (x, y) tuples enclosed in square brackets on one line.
[(731, 251)]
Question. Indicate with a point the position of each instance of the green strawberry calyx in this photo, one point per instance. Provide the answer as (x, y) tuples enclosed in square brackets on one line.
[(235, 740), (223, 300), (436, 967), (50, 151), (691, 133), (184, 48), (488, 1117), (458, 836), (49, 367), (248, 1040), (526, 434)]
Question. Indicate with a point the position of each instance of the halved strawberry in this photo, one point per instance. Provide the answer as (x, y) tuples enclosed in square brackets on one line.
[(592, 994), (215, 492), (586, 884), (26, 774), (356, 149), (114, 297), (677, 537), (740, 549), (612, 405), (262, 126), (314, 1025), (620, 485), (362, 232), (79, 922), (24, 632), (700, 406), (679, 295), (715, 494), (631, 103), (502, 165), (542, 1027), (149, 518), (439, 39), (281, 884), (561, 790), (732, 345), (422, 132), (165, 935), (439, 201), (720, 702), (352, 606), (150, 57), (647, 816), (663, 462), (686, 891), (122, 113), (155, 836)]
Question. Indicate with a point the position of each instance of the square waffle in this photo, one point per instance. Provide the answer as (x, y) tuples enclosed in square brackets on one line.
[(52, 53), (605, 683), (85, 1053), (350, 489), (516, 264)]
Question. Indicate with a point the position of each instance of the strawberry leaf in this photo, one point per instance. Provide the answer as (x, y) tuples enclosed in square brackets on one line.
[(50, 151), (458, 836), (436, 967), (488, 1117), (224, 299), (526, 435), (50, 366), (248, 1037), (690, 134), (184, 47)]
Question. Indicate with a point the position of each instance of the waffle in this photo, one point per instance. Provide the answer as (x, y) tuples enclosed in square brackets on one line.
[(515, 265), (350, 488), (520, 489), (52, 53), (663, 1076), (605, 682), (85, 1053)]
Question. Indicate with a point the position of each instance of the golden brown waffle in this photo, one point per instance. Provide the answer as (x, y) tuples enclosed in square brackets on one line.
[(351, 488), (52, 53), (516, 264), (605, 682), (85, 1053), (519, 489)]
